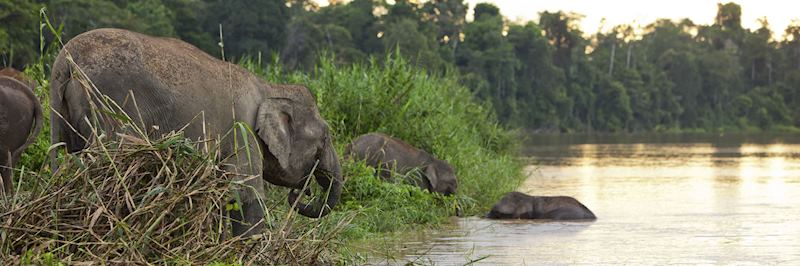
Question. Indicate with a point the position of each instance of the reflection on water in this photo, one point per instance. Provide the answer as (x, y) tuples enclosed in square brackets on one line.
[(706, 201)]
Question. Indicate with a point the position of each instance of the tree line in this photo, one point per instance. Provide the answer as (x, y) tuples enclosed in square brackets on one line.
[(544, 75)]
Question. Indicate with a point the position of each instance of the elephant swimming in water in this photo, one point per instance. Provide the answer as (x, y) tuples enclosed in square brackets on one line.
[(393, 155), (20, 124), (165, 85), (516, 205)]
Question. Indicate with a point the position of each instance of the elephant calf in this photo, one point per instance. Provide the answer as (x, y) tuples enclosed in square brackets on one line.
[(516, 205), (393, 155), (20, 123)]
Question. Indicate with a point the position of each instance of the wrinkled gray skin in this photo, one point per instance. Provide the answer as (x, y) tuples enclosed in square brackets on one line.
[(176, 84), (516, 205), (391, 154), (20, 123)]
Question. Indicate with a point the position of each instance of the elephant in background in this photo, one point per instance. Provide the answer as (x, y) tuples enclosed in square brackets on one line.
[(389, 155), (20, 124), (165, 84), (516, 205), (19, 76)]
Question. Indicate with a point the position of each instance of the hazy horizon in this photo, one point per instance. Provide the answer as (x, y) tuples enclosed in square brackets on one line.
[(779, 14)]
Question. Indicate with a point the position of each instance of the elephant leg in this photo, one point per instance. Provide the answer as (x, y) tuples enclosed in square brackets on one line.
[(6, 172), (14, 162), (248, 218)]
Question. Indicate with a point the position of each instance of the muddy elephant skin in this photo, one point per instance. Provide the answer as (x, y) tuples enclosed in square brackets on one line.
[(516, 205), (165, 84), (390, 154)]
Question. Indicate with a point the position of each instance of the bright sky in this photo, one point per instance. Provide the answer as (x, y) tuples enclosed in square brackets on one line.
[(778, 12)]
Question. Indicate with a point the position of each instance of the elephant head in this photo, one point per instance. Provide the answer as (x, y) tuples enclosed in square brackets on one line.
[(441, 176), (296, 142)]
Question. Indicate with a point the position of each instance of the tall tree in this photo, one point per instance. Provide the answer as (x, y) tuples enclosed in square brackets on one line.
[(541, 97), (79, 16), (449, 17), (249, 26), (488, 56), (19, 32), (358, 19), (188, 20)]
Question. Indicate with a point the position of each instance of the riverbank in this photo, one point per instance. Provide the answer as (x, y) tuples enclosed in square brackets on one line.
[(742, 128), (700, 200), (433, 112)]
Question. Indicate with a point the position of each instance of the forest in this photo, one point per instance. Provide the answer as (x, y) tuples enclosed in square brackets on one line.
[(544, 76)]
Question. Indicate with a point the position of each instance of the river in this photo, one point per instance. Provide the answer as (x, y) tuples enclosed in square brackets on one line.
[(660, 199)]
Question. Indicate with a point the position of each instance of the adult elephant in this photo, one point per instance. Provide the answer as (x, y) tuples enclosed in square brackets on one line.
[(390, 155), (20, 123), (517, 205), (165, 84)]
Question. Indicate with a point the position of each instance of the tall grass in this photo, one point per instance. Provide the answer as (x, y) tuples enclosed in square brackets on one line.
[(140, 201), (129, 199), (433, 112)]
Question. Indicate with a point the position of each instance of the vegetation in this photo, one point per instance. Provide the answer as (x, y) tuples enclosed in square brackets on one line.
[(542, 75), (141, 201), (416, 70), (53, 213), (432, 112)]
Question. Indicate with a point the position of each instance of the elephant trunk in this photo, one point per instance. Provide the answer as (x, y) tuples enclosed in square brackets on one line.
[(322, 206), (329, 177)]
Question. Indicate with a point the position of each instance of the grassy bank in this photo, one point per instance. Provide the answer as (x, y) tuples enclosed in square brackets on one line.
[(432, 112)]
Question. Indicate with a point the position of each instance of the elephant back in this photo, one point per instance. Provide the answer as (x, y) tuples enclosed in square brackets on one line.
[(19, 76), (173, 83)]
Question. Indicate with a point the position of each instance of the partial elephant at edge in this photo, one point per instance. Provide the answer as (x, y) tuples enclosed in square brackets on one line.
[(20, 123)]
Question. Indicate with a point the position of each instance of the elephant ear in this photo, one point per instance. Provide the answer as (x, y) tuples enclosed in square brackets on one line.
[(432, 176), (274, 127)]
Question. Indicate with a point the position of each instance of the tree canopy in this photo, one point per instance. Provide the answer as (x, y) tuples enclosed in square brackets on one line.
[(543, 75)]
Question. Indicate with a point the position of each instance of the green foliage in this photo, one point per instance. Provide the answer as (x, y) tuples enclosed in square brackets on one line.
[(389, 207), (487, 53), (248, 26), (405, 35), (159, 17), (545, 76), (357, 19), (431, 112), (35, 156), (541, 94), (188, 20), (18, 19)]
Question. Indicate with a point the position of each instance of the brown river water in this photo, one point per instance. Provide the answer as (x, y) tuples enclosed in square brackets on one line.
[(660, 199)]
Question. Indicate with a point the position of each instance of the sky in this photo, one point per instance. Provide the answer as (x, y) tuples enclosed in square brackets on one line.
[(778, 12)]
